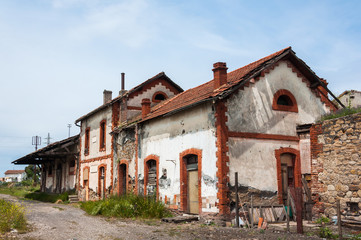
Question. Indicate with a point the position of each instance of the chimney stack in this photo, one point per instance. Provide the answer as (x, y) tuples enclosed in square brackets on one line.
[(107, 96), (219, 74), (122, 84), (123, 81), (145, 107)]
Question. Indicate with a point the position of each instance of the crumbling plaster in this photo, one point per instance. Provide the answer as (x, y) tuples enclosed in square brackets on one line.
[(250, 111), (185, 130)]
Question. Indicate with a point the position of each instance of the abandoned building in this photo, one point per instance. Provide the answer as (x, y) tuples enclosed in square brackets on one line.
[(351, 98), (58, 163), (184, 146), (102, 160)]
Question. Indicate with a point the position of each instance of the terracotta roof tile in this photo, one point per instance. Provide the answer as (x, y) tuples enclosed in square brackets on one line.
[(206, 91), (14, 172)]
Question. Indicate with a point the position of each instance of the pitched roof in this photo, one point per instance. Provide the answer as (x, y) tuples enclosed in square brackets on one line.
[(35, 157), (127, 93), (14, 172), (207, 92), (235, 79)]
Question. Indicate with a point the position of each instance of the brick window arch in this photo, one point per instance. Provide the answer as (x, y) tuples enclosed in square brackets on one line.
[(159, 96), (150, 162), (283, 100), (296, 169)]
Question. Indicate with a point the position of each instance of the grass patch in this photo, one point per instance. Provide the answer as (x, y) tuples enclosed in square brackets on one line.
[(127, 206), (12, 216), (17, 190), (47, 197), (341, 113)]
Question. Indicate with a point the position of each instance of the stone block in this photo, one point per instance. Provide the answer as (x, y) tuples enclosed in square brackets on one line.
[(354, 187), (331, 188)]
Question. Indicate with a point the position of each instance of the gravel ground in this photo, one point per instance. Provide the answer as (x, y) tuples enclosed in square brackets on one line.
[(60, 221)]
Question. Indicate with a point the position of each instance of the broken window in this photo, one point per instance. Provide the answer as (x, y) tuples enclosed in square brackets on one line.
[(151, 177)]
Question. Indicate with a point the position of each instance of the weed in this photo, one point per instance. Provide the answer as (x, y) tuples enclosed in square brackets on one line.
[(324, 231), (127, 206), (341, 113), (261, 231), (12, 216)]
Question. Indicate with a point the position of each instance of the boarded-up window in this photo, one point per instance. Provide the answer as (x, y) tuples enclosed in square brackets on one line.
[(86, 174), (152, 177)]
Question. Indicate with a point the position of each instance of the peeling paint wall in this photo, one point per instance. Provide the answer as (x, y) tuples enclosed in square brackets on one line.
[(124, 150), (170, 136), (250, 111), (96, 157)]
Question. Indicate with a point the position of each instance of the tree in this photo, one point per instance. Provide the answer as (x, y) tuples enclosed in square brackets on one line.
[(29, 171)]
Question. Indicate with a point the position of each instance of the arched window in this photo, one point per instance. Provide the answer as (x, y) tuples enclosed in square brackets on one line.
[(283, 100), (159, 96)]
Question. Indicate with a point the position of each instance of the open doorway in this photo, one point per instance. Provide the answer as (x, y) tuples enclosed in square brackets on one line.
[(122, 179)]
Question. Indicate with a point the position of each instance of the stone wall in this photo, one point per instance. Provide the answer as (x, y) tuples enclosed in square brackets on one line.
[(336, 164)]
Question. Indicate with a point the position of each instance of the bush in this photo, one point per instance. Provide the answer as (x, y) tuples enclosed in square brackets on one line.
[(12, 216), (127, 206)]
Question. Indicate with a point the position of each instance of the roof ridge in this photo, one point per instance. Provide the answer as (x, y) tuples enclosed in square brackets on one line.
[(259, 60)]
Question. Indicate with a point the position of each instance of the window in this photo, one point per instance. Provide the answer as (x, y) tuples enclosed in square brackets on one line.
[(102, 136), (283, 100), (50, 171), (87, 140), (159, 96), (72, 167)]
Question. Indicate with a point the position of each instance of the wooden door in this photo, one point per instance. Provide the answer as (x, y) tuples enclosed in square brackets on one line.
[(122, 179), (193, 205)]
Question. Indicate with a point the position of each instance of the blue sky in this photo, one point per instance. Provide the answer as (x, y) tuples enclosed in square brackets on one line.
[(57, 56)]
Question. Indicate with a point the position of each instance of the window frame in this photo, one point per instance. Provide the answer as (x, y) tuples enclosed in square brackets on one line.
[(87, 141), (286, 108), (102, 135)]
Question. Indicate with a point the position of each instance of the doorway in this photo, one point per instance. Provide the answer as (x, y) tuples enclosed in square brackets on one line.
[(122, 179), (58, 179), (287, 173), (151, 181), (192, 183), (102, 182)]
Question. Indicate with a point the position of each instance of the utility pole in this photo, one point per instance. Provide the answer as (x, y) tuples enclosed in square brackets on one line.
[(69, 126), (48, 139), (36, 141)]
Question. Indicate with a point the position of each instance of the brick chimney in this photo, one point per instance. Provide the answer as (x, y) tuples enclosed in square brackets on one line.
[(219, 74), (107, 96), (145, 107)]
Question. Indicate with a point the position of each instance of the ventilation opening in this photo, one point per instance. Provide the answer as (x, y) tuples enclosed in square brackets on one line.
[(284, 100), (159, 97)]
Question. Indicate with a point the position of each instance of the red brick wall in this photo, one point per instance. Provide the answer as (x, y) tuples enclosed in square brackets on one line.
[(222, 158)]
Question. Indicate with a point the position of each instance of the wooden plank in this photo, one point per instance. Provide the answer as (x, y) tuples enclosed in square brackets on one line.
[(307, 190)]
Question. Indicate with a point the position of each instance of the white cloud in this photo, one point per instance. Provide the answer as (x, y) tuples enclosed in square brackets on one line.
[(128, 22)]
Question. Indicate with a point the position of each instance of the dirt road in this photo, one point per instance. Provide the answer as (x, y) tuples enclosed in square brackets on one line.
[(59, 221)]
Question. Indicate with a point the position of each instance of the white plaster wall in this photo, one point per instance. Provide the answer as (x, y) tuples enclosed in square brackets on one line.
[(250, 110), (255, 162), (168, 137), (94, 123), (19, 176), (94, 175)]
